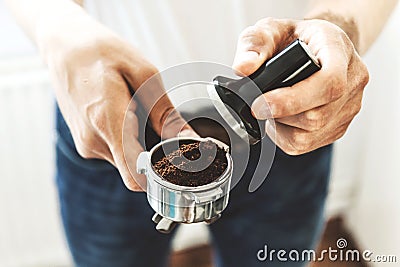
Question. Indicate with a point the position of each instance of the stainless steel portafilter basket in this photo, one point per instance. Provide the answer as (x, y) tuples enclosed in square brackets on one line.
[(183, 204)]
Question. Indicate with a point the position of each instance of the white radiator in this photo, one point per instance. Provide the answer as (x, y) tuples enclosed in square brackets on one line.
[(30, 228)]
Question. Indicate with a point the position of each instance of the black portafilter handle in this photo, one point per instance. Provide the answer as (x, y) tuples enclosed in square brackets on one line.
[(291, 65)]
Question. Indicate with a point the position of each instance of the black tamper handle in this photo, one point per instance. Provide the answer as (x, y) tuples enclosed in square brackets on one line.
[(291, 65)]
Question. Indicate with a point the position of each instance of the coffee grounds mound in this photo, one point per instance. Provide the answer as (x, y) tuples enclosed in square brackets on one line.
[(168, 166)]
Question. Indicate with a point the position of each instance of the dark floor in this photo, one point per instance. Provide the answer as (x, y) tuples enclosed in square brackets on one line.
[(202, 256), (335, 230)]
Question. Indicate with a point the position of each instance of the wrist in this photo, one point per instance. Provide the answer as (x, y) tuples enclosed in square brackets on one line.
[(55, 30), (347, 23)]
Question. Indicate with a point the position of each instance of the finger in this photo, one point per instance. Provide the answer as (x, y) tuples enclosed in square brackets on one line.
[(188, 133), (295, 141), (149, 91), (358, 74), (259, 42), (148, 87), (316, 118), (343, 109), (291, 140), (105, 115), (319, 89), (165, 119), (175, 125), (126, 152), (311, 120), (324, 86)]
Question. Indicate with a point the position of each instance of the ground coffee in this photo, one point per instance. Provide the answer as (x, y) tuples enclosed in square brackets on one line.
[(168, 166)]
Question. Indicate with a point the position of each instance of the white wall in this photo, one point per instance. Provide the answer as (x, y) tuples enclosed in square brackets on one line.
[(366, 172), (30, 230), (374, 214)]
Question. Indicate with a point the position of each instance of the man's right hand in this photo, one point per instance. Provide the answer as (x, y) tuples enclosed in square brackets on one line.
[(91, 68)]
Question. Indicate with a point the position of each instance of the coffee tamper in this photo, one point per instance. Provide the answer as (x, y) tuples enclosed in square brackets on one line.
[(174, 203), (233, 97)]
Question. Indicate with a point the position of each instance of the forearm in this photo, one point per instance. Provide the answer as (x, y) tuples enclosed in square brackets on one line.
[(362, 20), (44, 20)]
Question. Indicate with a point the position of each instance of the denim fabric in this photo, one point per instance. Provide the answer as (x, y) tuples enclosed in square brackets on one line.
[(107, 225)]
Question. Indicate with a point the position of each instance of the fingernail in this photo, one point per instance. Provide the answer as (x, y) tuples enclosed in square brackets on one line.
[(188, 133), (249, 56), (262, 109), (270, 129), (244, 61)]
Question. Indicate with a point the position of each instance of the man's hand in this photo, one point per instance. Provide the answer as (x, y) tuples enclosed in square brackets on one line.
[(91, 68), (318, 110)]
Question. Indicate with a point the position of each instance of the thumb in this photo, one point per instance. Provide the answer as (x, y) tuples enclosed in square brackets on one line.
[(247, 61), (175, 125), (165, 119), (259, 42), (126, 152)]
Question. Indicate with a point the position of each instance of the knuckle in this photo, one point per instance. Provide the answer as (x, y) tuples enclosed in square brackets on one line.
[(293, 152), (290, 103), (277, 109), (359, 72), (83, 151), (356, 109), (266, 21), (285, 108), (147, 71), (336, 86), (364, 75), (350, 42), (253, 35), (86, 142), (314, 120), (132, 185), (289, 149), (131, 182), (250, 32), (96, 115), (334, 92), (341, 132), (344, 38), (170, 116), (299, 143)]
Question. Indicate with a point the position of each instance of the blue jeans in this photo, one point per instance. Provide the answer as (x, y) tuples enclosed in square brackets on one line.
[(108, 225)]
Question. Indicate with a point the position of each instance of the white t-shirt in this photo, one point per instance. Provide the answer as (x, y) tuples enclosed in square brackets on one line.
[(171, 32)]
